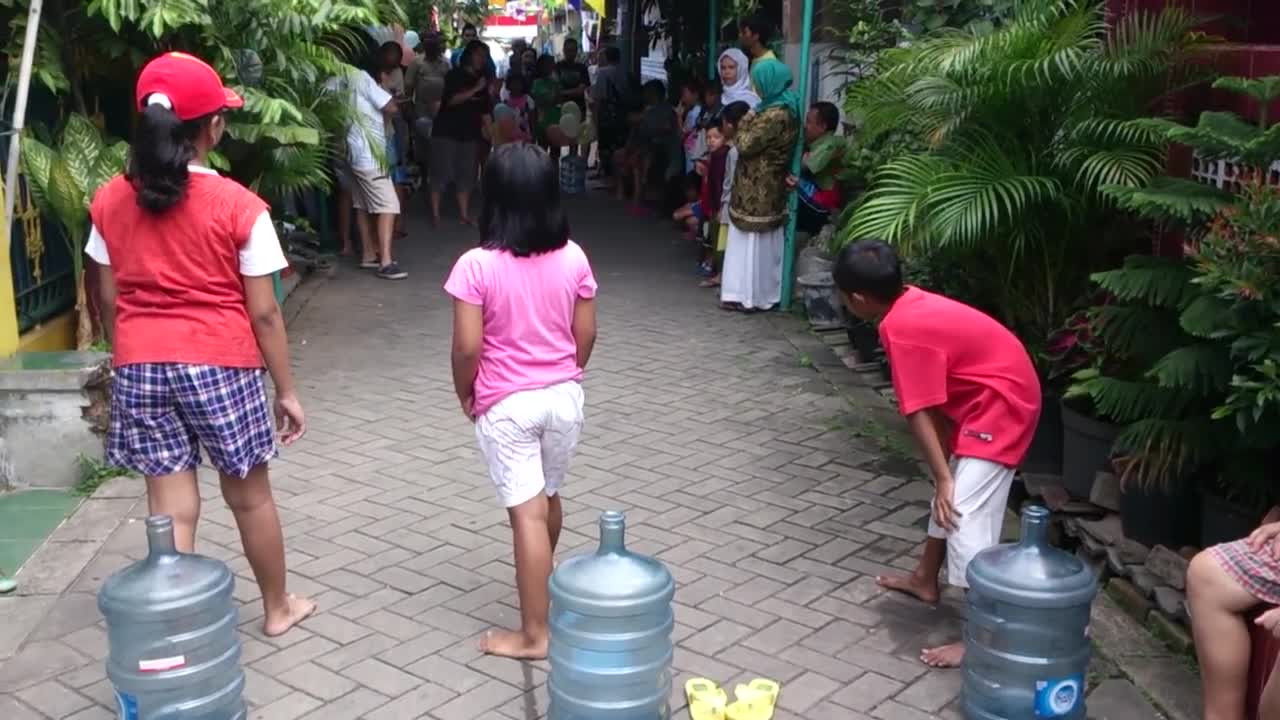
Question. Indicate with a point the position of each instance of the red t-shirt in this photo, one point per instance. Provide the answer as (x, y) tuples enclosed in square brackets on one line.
[(180, 292), (947, 355)]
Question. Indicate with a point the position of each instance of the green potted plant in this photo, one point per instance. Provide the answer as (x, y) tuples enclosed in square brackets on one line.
[(63, 178), (1206, 408)]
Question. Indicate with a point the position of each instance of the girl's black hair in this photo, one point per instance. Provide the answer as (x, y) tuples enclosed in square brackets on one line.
[(385, 57), (829, 114), (733, 113), (163, 145), (546, 64), (515, 80), (655, 87), (522, 213)]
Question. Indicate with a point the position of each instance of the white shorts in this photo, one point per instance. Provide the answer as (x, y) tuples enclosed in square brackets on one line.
[(527, 440), (982, 492)]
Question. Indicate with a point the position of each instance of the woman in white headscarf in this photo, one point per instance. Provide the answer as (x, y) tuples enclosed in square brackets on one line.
[(735, 76)]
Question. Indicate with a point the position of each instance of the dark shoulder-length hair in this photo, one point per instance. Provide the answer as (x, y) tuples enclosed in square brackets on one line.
[(522, 213)]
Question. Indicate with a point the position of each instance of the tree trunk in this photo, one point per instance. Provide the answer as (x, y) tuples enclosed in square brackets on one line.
[(84, 323)]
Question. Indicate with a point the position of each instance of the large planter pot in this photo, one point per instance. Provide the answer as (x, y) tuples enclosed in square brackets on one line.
[(812, 260), (1045, 454), (1086, 450), (864, 338), (1158, 516), (1224, 521), (821, 303)]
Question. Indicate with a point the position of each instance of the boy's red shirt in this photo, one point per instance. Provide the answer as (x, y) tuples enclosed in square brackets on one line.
[(948, 355)]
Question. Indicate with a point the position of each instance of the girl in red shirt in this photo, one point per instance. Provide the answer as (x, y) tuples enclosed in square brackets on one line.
[(186, 260)]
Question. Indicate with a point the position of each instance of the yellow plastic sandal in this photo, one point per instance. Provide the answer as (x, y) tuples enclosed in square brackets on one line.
[(706, 699), (754, 701)]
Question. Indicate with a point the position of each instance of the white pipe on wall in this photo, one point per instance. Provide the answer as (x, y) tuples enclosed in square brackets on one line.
[(20, 111)]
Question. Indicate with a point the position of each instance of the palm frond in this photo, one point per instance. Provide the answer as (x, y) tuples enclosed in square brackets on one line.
[(1168, 199), (1155, 281)]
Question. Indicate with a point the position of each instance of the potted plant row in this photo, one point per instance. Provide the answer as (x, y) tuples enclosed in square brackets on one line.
[(1196, 394)]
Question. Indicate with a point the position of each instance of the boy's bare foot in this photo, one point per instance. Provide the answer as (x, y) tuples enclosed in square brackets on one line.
[(513, 644), (299, 609), (946, 656), (915, 586)]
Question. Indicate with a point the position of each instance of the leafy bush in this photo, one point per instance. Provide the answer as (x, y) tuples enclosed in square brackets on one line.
[(1023, 127), (1205, 328)]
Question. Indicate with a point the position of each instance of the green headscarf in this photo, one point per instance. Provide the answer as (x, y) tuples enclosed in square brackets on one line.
[(772, 80)]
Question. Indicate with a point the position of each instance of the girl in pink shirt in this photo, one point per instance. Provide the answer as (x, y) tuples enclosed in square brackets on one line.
[(524, 324)]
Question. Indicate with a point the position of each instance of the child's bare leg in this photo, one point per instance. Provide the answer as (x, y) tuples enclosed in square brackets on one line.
[(1217, 605), (555, 520), (256, 516), (922, 583), (637, 182), (531, 528)]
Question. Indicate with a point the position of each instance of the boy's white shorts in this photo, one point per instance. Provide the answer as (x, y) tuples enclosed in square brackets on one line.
[(982, 492), (528, 438)]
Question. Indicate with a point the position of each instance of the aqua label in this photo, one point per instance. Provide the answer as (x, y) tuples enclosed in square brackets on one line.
[(127, 705), (1059, 698)]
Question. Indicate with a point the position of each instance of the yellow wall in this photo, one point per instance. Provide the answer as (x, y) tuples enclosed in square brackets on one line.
[(8, 308), (52, 335)]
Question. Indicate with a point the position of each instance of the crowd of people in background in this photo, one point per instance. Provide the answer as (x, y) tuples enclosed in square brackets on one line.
[(716, 154)]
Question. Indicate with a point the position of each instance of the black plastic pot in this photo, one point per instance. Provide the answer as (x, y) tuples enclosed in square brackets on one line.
[(1224, 521), (1086, 449), (1045, 454), (1157, 516), (885, 371), (864, 338)]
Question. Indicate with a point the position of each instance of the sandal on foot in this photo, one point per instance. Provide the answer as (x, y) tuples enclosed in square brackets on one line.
[(706, 700), (754, 701)]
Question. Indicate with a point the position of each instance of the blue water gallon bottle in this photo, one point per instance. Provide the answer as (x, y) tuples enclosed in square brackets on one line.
[(1026, 638), (573, 174), (174, 653), (611, 622)]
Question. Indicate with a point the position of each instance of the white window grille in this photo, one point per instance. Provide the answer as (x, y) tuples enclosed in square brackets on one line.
[(1224, 174)]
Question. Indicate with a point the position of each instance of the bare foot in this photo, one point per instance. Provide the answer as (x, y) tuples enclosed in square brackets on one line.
[(299, 609), (467, 221), (918, 588), (944, 657), (512, 644)]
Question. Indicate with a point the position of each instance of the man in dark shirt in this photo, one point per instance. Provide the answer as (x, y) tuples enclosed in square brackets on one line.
[(575, 79)]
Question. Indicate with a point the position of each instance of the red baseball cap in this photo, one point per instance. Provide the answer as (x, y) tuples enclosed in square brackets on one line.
[(193, 88)]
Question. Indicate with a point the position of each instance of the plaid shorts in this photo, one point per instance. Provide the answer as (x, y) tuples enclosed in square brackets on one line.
[(163, 413)]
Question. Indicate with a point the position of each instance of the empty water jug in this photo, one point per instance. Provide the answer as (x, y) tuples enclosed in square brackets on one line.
[(171, 629), (1026, 637), (611, 623)]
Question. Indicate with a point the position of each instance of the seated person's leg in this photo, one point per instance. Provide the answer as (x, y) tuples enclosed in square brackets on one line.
[(1223, 583)]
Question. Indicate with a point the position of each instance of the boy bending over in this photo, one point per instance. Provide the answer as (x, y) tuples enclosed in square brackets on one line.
[(969, 392)]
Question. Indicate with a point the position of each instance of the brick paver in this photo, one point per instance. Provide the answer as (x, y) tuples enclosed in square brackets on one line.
[(730, 455)]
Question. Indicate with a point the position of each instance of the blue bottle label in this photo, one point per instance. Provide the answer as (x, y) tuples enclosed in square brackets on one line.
[(127, 706), (1058, 698)]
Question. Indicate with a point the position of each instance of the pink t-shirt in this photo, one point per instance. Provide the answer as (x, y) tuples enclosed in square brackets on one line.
[(948, 355), (528, 317)]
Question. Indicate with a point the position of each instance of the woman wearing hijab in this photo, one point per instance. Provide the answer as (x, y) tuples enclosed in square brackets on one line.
[(752, 276), (735, 76)]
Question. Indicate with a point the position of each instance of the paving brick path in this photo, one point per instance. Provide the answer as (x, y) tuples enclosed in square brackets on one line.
[(729, 453)]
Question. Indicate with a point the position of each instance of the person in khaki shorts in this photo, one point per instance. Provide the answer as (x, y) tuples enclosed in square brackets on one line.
[(372, 192)]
